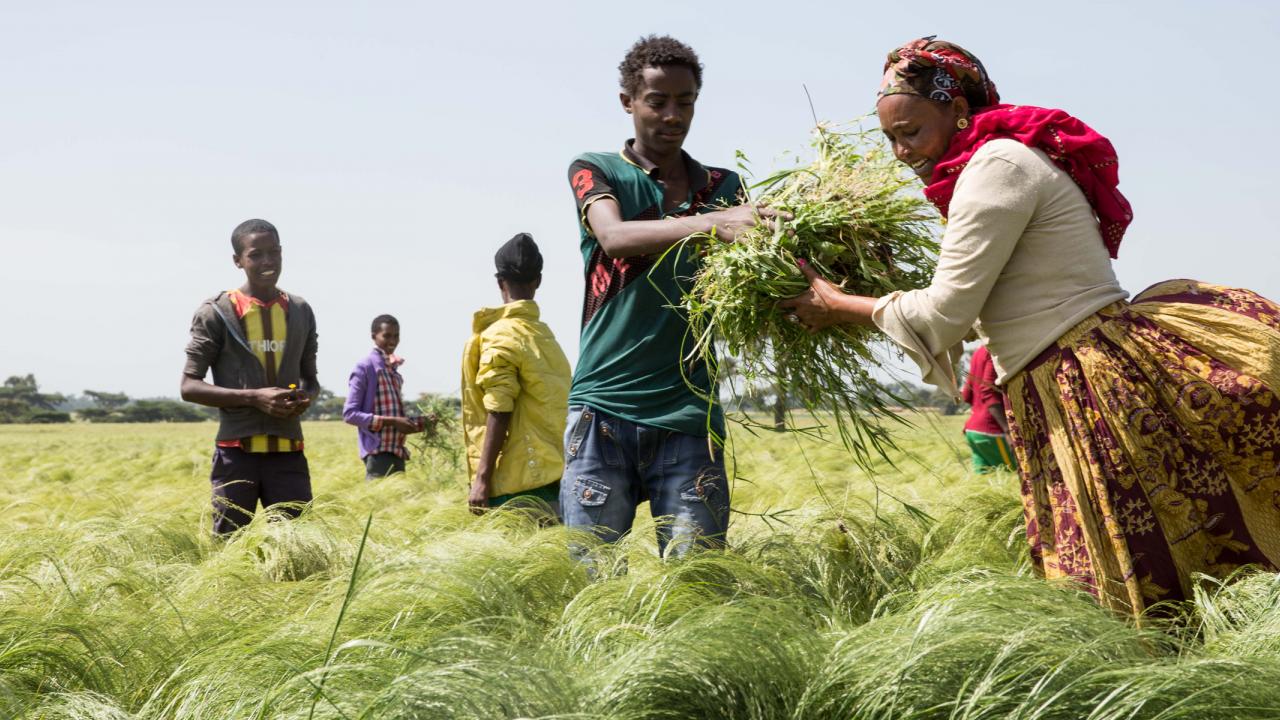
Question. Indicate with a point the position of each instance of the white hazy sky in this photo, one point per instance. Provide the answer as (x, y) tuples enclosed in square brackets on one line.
[(397, 144)]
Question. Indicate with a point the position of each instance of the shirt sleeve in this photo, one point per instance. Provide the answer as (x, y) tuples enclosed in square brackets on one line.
[(310, 350), (205, 344), (993, 203), (499, 375), (352, 412), (589, 184)]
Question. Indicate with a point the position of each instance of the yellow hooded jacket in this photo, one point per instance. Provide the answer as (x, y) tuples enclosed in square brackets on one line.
[(512, 363)]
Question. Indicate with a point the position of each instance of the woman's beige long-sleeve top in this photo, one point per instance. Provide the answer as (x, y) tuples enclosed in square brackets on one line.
[(1021, 257)]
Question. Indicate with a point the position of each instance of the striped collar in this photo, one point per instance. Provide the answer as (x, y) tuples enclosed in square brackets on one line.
[(699, 176), (242, 301)]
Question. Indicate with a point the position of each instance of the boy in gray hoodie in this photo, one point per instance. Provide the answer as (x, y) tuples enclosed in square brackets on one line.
[(260, 343)]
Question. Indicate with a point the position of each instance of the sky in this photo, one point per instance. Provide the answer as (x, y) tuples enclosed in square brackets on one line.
[(396, 145)]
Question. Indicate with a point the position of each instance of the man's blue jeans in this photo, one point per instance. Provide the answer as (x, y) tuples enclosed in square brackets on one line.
[(612, 465)]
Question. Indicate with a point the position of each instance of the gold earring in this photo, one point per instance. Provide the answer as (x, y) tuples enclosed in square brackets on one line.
[(962, 123)]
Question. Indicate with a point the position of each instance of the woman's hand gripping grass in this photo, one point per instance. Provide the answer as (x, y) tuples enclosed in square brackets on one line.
[(824, 304)]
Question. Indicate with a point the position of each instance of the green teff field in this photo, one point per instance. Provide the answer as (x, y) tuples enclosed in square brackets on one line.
[(841, 596)]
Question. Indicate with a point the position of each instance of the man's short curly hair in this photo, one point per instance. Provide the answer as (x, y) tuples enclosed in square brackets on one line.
[(656, 51), (250, 227)]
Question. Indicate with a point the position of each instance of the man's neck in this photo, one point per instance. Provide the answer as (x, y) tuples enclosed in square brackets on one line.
[(669, 166), (263, 294)]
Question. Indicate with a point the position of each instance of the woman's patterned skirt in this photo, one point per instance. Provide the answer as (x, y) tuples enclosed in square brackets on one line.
[(1148, 440)]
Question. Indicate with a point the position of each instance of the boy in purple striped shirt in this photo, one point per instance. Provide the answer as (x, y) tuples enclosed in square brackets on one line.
[(375, 404)]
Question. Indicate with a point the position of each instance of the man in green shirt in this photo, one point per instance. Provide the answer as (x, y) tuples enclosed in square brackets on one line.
[(641, 419)]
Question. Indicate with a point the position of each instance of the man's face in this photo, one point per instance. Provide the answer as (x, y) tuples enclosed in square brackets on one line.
[(260, 259), (662, 107), (387, 338)]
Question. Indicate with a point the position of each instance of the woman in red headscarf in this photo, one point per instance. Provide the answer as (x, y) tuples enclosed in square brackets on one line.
[(1147, 432)]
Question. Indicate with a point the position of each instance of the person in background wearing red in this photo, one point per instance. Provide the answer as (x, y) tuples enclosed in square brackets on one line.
[(987, 431)]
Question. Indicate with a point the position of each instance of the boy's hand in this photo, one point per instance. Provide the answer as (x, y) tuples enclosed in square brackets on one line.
[(276, 402), (404, 425), (478, 498), (730, 221), (301, 401)]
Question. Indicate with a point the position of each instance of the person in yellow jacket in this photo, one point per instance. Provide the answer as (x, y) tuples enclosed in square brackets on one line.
[(515, 388)]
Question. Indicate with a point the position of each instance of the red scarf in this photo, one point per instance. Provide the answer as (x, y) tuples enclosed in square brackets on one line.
[(1085, 155)]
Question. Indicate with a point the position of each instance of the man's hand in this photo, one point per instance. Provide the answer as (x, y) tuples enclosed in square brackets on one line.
[(404, 425), (427, 423), (276, 402), (478, 498), (301, 401), (629, 238), (495, 436), (729, 222)]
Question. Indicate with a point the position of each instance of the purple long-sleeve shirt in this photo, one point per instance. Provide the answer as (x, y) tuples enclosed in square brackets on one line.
[(362, 389)]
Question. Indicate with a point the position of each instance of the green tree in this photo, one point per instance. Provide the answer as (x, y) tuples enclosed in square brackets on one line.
[(107, 400), (326, 406), (22, 401)]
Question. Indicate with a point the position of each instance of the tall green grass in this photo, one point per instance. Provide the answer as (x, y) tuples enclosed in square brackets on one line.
[(838, 598)]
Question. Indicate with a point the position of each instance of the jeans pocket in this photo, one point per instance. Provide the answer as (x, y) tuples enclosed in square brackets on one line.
[(590, 492)]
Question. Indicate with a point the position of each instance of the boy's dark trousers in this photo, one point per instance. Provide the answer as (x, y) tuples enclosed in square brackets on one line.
[(242, 479), (380, 465)]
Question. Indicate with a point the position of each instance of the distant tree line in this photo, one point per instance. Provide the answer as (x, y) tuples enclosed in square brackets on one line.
[(22, 402), (120, 409), (904, 394)]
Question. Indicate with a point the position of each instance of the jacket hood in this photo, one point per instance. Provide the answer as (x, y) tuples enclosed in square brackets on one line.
[(523, 309)]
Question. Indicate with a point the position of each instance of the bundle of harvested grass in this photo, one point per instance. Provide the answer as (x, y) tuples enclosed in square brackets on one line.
[(437, 448), (854, 219)]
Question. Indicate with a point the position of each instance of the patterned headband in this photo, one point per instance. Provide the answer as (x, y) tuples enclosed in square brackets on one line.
[(937, 70)]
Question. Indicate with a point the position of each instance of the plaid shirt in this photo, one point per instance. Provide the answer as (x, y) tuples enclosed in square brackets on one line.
[(388, 403)]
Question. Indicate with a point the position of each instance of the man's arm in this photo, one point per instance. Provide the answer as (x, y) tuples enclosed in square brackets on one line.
[(275, 402), (495, 436), (309, 382), (498, 377), (202, 351), (308, 388), (627, 238), (602, 215)]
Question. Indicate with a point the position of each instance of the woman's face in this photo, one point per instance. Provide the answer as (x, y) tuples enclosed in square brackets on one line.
[(920, 129)]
